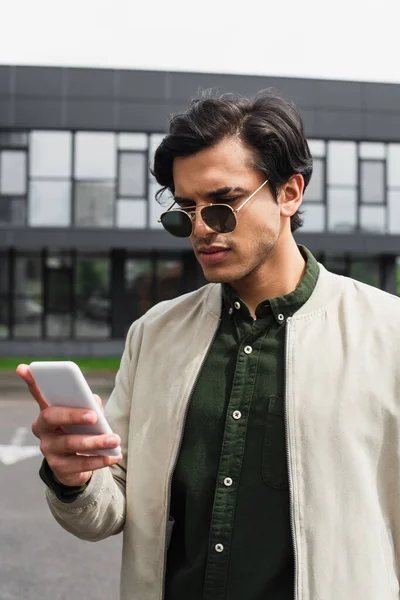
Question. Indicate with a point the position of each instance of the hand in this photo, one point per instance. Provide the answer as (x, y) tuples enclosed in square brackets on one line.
[(63, 451)]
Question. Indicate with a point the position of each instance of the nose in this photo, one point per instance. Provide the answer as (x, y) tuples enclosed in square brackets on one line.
[(200, 229)]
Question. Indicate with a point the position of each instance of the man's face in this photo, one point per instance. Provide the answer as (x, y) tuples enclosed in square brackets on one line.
[(232, 256)]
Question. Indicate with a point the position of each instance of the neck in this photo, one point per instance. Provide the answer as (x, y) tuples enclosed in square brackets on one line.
[(280, 274)]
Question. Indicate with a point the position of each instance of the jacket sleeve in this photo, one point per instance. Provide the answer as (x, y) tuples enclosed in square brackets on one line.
[(100, 510)]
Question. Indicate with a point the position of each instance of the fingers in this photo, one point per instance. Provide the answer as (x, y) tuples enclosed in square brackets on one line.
[(99, 402), (82, 444), (25, 374), (75, 464)]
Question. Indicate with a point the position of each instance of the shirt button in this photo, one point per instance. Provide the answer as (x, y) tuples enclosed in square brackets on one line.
[(230, 311), (248, 349), (237, 414), (281, 317), (219, 547), (228, 481), (237, 305)]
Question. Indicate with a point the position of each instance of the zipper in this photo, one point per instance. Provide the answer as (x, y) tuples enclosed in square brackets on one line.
[(179, 448), (288, 454)]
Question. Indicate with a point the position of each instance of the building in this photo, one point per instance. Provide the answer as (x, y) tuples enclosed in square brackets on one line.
[(81, 252)]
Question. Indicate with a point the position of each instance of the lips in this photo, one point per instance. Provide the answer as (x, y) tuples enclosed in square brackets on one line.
[(212, 254)]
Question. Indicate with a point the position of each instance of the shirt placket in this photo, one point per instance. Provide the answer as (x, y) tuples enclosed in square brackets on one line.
[(230, 465)]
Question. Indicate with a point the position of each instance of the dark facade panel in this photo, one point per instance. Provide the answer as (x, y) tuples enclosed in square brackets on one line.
[(6, 110), (90, 114), (308, 117), (145, 116), (38, 112), (381, 126), (5, 80), (142, 84), (381, 96), (337, 124), (39, 81), (337, 94), (99, 83)]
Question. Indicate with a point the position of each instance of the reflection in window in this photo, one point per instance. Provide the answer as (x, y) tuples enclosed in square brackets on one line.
[(93, 304), (13, 139), (342, 163), (342, 210), (50, 203), (169, 279), (94, 204), (27, 296), (27, 317), (132, 214), (132, 174), (50, 154), (139, 287), (95, 156), (372, 182), (12, 211), (4, 330), (373, 219), (366, 271), (12, 172), (314, 218), (315, 190), (3, 274)]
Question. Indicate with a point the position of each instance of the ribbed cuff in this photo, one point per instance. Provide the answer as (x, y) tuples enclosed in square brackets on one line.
[(64, 493)]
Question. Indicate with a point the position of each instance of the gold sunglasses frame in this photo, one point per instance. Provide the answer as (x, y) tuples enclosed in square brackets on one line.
[(191, 211)]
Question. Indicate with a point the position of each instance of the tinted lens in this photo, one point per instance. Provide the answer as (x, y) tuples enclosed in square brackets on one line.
[(177, 223), (219, 218)]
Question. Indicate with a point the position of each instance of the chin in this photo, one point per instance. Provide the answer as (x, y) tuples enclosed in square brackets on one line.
[(221, 275)]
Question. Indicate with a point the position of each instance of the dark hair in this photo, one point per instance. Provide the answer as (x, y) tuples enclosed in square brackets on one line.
[(269, 126)]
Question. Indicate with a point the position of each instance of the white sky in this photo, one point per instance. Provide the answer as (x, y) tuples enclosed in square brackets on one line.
[(343, 39)]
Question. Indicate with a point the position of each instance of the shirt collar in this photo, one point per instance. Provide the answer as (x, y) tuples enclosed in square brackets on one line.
[(282, 307)]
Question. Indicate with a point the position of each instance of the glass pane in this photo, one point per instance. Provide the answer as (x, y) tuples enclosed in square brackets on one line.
[(28, 276), (12, 211), (372, 150), (59, 290), (337, 264), (315, 189), (3, 274), (4, 331), (317, 148), (132, 174), (342, 210), (372, 182), (132, 214), (94, 204), (50, 154), (58, 326), (169, 279), (155, 208), (394, 211), (28, 317), (365, 270), (140, 293), (314, 217), (92, 284), (132, 141), (373, 219), (50, 203), (13, 138), (95, 156), (394, 165), (155, 141), (12, 172), (342, 163)]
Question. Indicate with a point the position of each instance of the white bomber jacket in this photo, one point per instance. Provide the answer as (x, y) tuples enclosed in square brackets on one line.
[(342, 411)]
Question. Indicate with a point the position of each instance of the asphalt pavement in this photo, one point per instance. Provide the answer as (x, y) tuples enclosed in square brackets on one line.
[(38, 559)]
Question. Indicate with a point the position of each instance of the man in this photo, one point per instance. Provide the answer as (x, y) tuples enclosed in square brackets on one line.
[(258, 419)]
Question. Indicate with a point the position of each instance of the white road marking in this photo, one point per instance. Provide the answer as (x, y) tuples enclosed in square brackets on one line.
[(15, 451)]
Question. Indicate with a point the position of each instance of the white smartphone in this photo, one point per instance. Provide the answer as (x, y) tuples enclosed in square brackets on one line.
[(62, 383)]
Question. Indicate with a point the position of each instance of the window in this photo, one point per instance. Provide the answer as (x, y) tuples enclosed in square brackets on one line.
[(132, 173), (315, 191), (4, 329), (94, 204), (342, 206), (12, 211), (314, 218), (95, 156), (133, 141), (394, 211), (50, 154), (50, 203), (132, 213), (342, 163), (372, 182), (28, 296), (12, 172), (93, 304), (373, 219)]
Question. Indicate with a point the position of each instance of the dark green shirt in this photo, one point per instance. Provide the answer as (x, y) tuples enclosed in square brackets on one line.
[(230, 493)]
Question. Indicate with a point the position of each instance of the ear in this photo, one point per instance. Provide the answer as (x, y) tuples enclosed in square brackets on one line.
[(291, 195)]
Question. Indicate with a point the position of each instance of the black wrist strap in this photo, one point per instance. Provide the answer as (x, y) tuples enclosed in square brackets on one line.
[(64, 493)]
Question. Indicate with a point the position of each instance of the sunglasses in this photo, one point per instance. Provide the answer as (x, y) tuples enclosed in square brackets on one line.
[(220, 218)]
